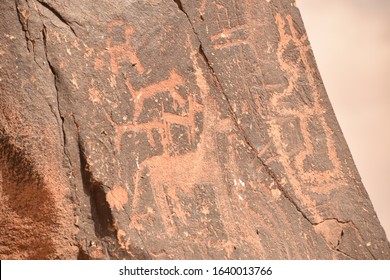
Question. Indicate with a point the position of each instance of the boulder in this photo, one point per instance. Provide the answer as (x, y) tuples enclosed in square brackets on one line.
[(172, 130)]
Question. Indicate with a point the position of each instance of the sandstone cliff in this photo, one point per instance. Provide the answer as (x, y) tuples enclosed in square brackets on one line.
[(172, 130)]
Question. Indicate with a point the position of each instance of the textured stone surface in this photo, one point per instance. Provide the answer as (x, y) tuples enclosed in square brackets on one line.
[(172, 130)]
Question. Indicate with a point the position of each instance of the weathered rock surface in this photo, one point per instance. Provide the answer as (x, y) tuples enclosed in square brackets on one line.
[(172, 129)]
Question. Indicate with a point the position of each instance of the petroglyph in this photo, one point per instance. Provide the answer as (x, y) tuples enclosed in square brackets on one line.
[(314, 111), (292, 129), (173, 166), (168, 131), (201, 168), (163, 123), (117, 198), (171, 85), (120, 47), (231, 37), (234, 24), (150, 113), (202, 8)]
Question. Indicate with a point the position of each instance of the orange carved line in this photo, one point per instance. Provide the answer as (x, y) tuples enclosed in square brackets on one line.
[(122, 52), (202, 7), (317, 109), (231, 43), (226, 33), (170, 85)]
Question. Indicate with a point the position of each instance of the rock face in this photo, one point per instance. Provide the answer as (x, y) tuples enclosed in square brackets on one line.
[(185, 129)]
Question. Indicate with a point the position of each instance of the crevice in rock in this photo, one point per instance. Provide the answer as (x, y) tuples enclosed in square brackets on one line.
[(100, 209), (181, 8), (341, 237), (332, 229), (57, 110), (23, 20), (23, 17), (57, 15), (331, 219), (57, 95), (99, 215), (83, 255), (345, 254), (180, 5), (339, 242)]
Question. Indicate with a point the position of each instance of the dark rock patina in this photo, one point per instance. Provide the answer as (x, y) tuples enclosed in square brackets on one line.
[(172, 130)]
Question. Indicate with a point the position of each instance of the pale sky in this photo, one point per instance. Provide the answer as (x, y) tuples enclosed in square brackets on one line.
[(351, 43)]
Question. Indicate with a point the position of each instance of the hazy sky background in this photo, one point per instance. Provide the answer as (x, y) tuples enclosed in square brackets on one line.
[(351, 43)]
